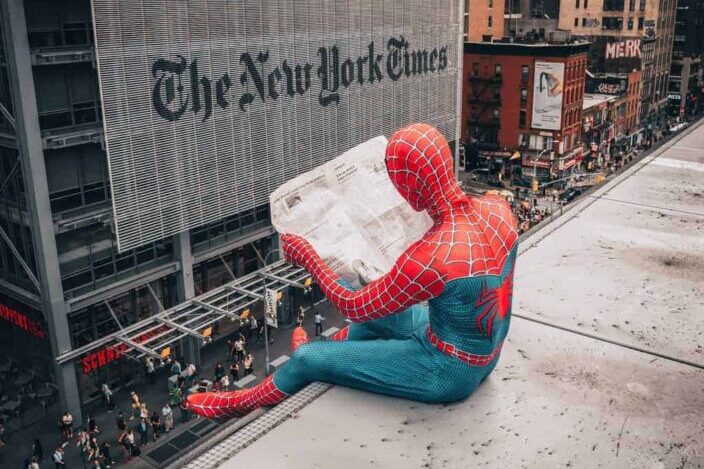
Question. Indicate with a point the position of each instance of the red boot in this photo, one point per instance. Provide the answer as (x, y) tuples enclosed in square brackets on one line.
[(235, 403)]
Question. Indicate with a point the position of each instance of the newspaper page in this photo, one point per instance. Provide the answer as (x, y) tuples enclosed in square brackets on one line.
[(350, 212)]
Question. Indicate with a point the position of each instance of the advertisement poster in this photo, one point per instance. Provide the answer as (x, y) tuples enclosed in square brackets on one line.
[(547, 95)]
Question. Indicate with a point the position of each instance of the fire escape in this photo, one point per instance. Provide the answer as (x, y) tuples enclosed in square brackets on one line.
[(485, 104)]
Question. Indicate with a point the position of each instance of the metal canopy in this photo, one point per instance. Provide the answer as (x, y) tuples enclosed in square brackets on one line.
[(151, 336)]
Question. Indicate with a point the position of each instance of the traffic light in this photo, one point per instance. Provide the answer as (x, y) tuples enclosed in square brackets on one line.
[(535, 185)]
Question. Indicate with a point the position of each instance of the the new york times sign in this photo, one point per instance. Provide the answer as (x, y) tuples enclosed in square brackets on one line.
[(180, 87), (210, 105)]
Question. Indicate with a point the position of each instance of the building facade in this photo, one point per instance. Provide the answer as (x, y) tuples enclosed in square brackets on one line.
[(685, 88), (483, 20), (63, 283), (508, 115), (622, 20)]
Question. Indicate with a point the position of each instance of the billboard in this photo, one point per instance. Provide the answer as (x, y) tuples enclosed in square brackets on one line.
[(210, 105), (547, 95), (617, 86)]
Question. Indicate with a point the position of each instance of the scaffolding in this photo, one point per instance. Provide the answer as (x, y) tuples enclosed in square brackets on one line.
[(154, 335)]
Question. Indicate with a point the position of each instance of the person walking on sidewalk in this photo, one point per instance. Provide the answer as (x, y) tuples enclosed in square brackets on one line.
[(37, 450), (155, 421), (105, 453), (143, 429), (239, 349), (136, 405), (319, 323), (253, 327), (248, 364), (235, 371), (107, 395), (168, 415), (59, 458), (151, 370), (301, 316), (120, 422)]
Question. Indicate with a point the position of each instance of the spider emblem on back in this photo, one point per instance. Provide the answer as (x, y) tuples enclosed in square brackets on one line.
[(494, 302)]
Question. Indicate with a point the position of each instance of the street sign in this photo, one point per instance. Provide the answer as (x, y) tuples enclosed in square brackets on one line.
[(270, 302)]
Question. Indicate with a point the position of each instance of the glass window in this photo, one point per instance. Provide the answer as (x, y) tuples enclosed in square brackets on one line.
[(497, 69), (524, 73), (475, 69), (490, 21), (522, 119), (524, 95)]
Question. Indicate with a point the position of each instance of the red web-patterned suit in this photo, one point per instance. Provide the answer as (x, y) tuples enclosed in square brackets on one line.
[(463, 268)]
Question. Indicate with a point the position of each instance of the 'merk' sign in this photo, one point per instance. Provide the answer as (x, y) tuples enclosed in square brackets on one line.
[(627, 49)]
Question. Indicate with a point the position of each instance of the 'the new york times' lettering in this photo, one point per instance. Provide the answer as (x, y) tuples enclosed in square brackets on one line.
[(181, 88)]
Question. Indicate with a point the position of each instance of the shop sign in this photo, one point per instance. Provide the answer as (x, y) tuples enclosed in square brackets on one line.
[(271, 299), (22, 321), (108, 355), (630, 48), (495, 154), (674, 96)]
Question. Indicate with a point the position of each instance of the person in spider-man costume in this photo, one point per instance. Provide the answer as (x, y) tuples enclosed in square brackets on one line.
[(398, 344)]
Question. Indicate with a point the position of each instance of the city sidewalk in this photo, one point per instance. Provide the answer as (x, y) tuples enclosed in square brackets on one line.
[(45, 428)]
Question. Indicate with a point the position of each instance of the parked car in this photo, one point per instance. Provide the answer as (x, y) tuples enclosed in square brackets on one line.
[(678, 127), (570, 194)]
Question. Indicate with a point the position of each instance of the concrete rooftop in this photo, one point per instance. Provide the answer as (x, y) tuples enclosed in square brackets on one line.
[(603, 367)]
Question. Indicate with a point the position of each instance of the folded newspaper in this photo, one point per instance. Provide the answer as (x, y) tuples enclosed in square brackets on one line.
[(350, 212)]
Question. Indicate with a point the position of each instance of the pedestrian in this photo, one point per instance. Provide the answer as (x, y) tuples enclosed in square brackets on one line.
[(168, 415), (66, 426), (191, 372), (219, 372), (143, 429), (155, 421), (176, 368), (107, 396), (301, 316), (126, 439), (136, 404), (175, 396), (2, 436), (37, 450), (183, 407), (151, 370), (180, 381), (59, 458), (33, 463), (248, 364), (143, 411), (239, 349), (105, 453), (120, 422), (235, 371), (224, 383), (230, 348), (319, 323), (253, 326), (93, 448), (92, 425)]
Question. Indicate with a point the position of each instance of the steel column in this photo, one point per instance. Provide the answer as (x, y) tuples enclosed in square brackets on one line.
[(29, 144), (190, 346)]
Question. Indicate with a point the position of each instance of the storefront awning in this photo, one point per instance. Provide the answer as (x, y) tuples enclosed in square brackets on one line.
[(153, 336)]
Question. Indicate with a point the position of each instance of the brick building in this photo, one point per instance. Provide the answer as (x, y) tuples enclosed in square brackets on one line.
[(523, 99), (483, 20)]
